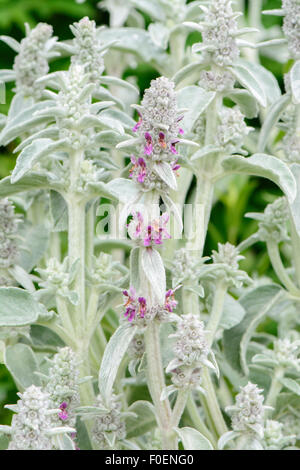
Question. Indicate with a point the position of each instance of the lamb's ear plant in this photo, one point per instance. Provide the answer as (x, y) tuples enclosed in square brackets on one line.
[(118, 328)]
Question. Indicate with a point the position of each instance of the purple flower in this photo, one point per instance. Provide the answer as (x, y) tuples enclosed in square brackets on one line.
[(161, 140), (139, 169), (63, 415), (172, 146), (171, 303), (137, 126), (175, 166), (134, 306), (148, 147)]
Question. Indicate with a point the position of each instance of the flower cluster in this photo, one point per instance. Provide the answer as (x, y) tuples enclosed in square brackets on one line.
[(226, 265), (150, 234), (33, 423), (88, 50), (291, 26), (290, 144), (32, 61), (232, 130), (62, 385), (274, 438), (247, 415), (9, 222), (109, 428), (74, 105), (219, 33), (137, 311), (158, 130), (191, 352), (272, 223)]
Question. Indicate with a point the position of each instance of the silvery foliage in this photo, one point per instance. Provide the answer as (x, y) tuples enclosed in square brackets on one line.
[(95, 320)]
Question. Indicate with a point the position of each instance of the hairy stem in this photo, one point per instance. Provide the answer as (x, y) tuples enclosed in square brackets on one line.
[(156, 384), (279, 269)]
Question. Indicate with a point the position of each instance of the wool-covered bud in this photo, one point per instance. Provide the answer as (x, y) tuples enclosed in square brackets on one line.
[(9, 222), (291, 26), (31, 63), (219, 30), (287, 353), (89, 174), (219, 81), (88, 50), (272, 224), (62, 385), (32, 421), (106, 271), (58, 277), (109, 429), (158, 130), (191, 352), (146, 233), (274, 438), (232, 130), (226, 265), (247, 414), (186, 267)]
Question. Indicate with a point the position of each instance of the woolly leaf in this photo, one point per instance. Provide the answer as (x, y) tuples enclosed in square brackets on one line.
[(154, 271), (144, 421), (18, 307), (266, 166), (112, 358), (193, 439), (22, 364)]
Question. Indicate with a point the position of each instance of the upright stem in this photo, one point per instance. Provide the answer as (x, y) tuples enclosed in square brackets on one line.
[(216, 312), (275, 387), (296, 249), (77, 251), (212, 403), (197, 421), (156, 384)]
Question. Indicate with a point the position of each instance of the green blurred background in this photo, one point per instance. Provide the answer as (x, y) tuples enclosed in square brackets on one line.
[(241, 195)]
